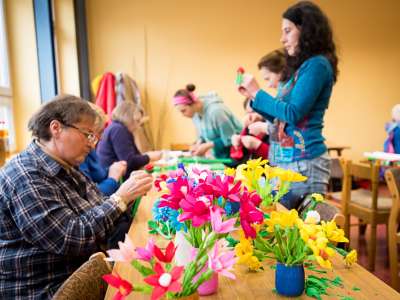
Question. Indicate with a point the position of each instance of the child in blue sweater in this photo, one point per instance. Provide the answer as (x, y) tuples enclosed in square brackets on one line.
[(298, 109), (392, 142)]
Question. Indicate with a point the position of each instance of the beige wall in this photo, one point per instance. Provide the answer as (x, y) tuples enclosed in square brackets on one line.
[(23, 59), (166, 44)]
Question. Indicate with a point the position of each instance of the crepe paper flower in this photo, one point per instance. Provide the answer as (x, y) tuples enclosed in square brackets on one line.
[(220, 260), (230, 172), (125, 253), (168, 255), (317, 197), (255, 163), (178, 190), (149, 168), (351, 258), (249, 214), (283, 219), (309, 231), (312, 217), (123, 286), (225, 188), (146, 253), (252, 197), (164, 282), (321, 251), (333, 233), (196, 210), (160, 182), (217, 224)]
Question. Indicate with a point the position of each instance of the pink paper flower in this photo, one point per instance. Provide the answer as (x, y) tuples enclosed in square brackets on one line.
[(195, 209), (164, 282), (221, 260), (249, 214), (178, 191), (125, 253), (226, 188), (147, 252), (123, 286), (216, 221)]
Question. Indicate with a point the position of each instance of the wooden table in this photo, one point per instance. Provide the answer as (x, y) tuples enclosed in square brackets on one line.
[(259, 285), (337, 148)]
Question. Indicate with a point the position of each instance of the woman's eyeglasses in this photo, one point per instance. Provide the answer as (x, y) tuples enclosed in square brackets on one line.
[(91, 137)]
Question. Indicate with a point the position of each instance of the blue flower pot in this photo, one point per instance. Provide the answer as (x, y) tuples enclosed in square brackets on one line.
[(289, 280)]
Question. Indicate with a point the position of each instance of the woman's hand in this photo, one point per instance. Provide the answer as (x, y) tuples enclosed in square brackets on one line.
[(203, 148), (235, 140), (117, 170), (137, 185), (250, 142), (249, 86), (258, 128), (154, 155)]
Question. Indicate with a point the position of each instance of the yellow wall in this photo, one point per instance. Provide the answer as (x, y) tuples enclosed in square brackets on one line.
[(68, 70), (23, 59), (166, 44), (23, 65)]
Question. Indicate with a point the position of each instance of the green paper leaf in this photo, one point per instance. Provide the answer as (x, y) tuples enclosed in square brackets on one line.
[(356, 289)]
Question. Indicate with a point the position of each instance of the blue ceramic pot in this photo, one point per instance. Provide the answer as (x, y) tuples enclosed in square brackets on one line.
[(289, 280)]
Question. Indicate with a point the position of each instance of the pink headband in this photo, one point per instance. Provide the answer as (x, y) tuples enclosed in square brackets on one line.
[(184, 100)]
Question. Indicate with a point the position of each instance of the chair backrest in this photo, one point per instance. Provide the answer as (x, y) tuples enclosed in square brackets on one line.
[(368, 172), (392, 177), (86, 282)]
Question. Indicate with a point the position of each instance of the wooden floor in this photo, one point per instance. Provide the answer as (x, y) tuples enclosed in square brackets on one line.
[(382, 257)]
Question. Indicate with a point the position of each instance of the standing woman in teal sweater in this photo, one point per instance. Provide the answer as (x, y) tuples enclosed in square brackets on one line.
[(214, 122), (299, 108)]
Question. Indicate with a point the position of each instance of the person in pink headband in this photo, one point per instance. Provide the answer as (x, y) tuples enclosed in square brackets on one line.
[(214, 122)]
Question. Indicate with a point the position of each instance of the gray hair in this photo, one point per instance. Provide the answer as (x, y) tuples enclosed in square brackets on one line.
[(67, 109)]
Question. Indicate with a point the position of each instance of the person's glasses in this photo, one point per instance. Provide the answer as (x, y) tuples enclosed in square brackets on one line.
[(91, 137)]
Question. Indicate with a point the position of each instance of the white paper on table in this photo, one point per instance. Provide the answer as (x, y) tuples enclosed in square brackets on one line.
[(382, 155)]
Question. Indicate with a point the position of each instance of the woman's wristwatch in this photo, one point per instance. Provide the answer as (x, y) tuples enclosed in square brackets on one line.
[(119, 202)]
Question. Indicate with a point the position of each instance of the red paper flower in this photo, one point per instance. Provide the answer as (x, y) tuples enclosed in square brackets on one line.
[(149, 168), (169, 253), (226, 188), (123, 286), (164, 282), (249, 214)]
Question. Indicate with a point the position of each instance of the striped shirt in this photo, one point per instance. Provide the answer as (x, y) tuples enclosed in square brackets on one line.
[(52, 219)]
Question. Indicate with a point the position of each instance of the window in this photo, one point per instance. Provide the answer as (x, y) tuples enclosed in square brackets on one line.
[(6, 109)]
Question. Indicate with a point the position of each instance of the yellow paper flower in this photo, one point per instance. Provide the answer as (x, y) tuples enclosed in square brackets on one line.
[(230, 172), (290, 176), (350, 258), (253, 263), (256, 163), (309, 231), (321, 251), (317, 197), (283, 219), (333, 233)]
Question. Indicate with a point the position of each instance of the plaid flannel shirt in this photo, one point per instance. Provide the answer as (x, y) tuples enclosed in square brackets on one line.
[(51, 221)]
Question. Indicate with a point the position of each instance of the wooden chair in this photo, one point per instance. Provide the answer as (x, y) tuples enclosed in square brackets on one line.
[(392, 177), (363, 203), (86, 282)]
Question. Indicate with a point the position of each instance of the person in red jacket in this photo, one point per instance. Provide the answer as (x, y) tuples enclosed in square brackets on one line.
[(253, 141)]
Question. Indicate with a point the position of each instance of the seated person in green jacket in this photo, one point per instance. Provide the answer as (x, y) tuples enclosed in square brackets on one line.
[(214, 122)]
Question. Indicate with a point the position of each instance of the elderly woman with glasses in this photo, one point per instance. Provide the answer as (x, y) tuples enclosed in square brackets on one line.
[(107, 179), (118, 143), (52, 216)]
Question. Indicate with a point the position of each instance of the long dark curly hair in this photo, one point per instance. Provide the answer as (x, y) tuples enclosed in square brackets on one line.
[(316, 37)]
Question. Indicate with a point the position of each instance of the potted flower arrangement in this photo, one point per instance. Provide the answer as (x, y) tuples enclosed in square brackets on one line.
[(162, 278), (292, 242), (207, 204)]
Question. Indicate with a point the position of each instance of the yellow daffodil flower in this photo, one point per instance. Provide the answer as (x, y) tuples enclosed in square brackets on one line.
[(283, 219), (333, 233), (350, 258), (321, 251), (230, 172), (317, 197)]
